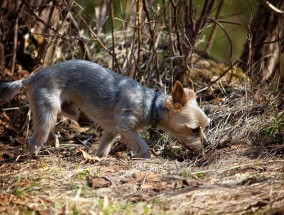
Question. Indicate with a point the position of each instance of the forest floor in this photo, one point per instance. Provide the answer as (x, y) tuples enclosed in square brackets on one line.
[(242, 171)]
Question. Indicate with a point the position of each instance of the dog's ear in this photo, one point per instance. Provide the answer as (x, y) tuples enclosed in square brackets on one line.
[(179, 96)]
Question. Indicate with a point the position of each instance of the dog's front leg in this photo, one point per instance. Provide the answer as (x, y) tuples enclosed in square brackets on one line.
[(106, 142), (136, 144)]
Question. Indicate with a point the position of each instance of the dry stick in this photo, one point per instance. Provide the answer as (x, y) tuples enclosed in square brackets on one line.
[(191, 14), (214, 28), (94, 34), (221, 26), (176, 27), (15, 40), (267, 42), (231, 48), (206, 11), (112, 32), (153, 55), (224, 73), (170, 33), (151, 30), (152, 43), (45, 47), (272, 7), (81, 40), (99, 41), (36, 16), (138, 11), (170, 30)]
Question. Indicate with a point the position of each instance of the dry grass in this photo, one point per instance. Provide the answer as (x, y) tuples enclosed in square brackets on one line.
[(54, 185)]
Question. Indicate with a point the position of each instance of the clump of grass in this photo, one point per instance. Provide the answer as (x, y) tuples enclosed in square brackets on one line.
[(83, 174), (276, 125)]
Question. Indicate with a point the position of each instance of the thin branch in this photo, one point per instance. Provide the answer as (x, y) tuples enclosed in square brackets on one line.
[(206, 11), (169, 27), (138, 11), (214, 27), (176, 27), (112, 32), (151, 30), (15, 39), (95, 35), (268, 42), (222, 27), (81, 40), (273, 8), (224, 73), (36, 16)]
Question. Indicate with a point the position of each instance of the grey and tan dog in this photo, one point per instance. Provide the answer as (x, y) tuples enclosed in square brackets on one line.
[(119, 104)]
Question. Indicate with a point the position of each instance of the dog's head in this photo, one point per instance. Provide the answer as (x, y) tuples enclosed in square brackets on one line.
[(186, 120)]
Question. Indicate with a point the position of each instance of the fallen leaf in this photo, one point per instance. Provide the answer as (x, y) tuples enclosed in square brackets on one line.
[(121, 155), (88, 157), (150, 176), (100, 182)]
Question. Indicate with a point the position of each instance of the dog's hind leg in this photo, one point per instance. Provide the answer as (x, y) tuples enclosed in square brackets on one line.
[(136, 144), (44, 110), (106, 142)]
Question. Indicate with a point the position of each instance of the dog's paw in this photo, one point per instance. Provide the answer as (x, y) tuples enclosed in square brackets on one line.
[(146, 154)]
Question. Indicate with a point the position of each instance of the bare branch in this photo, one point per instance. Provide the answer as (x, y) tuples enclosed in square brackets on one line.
[(81, 40), (95, 35), (138, 11), (214, 27), (272, 7)]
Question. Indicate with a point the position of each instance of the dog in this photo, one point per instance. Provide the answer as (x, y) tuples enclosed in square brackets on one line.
[(119, 104)]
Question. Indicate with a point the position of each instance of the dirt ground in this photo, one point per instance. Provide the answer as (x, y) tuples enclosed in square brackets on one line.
[(242, 171)]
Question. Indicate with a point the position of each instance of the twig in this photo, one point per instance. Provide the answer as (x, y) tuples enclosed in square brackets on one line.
[(36, 16), (224, 73), (14, 108), (15, 39), (206, 11), (81, 40), (176, 27), (84, 142), (214, 28), (144, 178), (112, 32), (138, 11), (273, 8), (222, 27), (95, 35), (151, 30)]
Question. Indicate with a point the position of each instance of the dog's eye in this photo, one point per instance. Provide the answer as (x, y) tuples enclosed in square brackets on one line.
[(195, 130)]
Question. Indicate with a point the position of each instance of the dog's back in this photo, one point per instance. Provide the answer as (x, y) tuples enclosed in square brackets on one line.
[(95, 90)]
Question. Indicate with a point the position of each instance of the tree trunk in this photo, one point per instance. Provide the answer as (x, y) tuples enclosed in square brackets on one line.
[(262, 52)]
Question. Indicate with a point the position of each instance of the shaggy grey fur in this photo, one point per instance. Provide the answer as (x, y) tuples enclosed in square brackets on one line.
[(119, 104)]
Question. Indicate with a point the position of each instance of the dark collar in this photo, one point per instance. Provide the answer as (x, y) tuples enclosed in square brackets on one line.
[(154, 111)]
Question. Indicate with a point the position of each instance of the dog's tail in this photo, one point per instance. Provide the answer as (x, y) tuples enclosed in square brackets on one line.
[(9, 89)]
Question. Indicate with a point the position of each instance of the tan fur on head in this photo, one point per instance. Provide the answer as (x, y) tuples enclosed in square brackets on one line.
[(180, 96)]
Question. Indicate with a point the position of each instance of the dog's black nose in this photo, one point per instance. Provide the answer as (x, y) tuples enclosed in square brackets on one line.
[(206, 143)]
